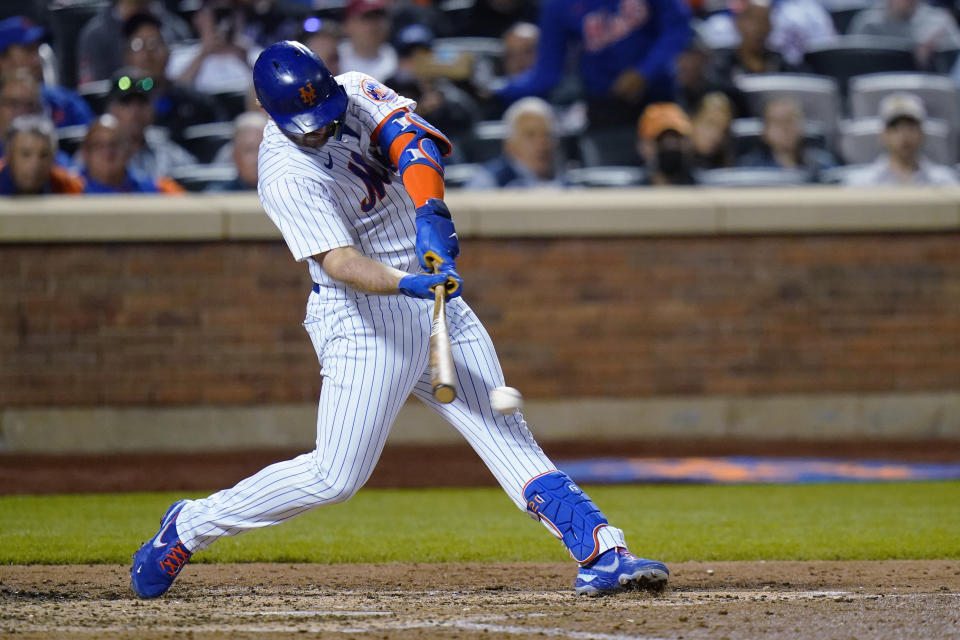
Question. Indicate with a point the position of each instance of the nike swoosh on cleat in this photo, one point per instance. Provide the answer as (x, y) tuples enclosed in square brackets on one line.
[(453, 235), (329, 163), (588, 578), (158, 540)]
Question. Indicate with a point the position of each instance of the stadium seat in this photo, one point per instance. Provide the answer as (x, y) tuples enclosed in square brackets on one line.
[(849, 56), (746, 134), (818, 95), (233, 102), (197, 177), (95, 93), (837, 175), (611, 176), (66, 21), (609, 147), (752, 177), (457, 175), (488, 47), (939, 94), (485, 141), (860, 141), (204, 140), (69, 138), (842, 17), (944, 60)]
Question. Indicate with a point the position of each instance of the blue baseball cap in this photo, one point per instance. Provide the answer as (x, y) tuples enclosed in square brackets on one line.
[(18, 30)]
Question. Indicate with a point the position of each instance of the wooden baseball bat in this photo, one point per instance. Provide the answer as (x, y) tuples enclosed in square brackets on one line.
[(443, 378)]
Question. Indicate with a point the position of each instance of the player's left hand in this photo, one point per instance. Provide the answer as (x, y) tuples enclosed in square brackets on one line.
[(423, 285), (437, 245)]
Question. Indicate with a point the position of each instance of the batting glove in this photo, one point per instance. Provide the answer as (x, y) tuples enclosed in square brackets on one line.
[(437, 245), (422, 285)]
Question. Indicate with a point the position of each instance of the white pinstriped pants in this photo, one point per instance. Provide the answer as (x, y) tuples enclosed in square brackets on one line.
[(374, 352)]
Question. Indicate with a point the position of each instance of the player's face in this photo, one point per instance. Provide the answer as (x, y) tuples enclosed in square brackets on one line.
[(31, 159), (313, 139)]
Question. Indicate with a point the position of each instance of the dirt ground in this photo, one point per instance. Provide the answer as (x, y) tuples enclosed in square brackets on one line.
[(818, 600), (899, 599)]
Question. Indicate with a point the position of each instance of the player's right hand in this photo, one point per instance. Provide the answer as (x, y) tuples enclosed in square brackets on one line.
[(422, 285)]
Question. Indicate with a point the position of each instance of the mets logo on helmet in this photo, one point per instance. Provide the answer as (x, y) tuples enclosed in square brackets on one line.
[(376, 91), (308, 95)]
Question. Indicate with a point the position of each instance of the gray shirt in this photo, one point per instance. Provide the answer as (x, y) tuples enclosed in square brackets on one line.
[(878, 173)]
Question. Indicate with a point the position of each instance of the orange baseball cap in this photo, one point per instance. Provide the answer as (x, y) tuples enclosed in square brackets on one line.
[(663, 116)]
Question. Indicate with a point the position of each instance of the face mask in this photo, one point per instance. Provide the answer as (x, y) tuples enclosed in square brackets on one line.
[(671, 161)]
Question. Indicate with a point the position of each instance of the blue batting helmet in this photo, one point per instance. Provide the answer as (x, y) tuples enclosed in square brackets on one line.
[(296, 89)]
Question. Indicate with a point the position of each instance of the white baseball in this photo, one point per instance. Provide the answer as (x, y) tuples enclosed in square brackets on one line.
[(506, 400)]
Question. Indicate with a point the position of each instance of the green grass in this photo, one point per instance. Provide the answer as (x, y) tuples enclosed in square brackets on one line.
[(673, 523)]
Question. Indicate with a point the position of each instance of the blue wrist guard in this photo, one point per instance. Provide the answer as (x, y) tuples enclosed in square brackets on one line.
[(554, 498), (437, 244)]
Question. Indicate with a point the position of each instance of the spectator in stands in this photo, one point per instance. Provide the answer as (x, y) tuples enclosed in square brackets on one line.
[(520, 48), (244, 151), (367, 48), (19, 96), (627, 49), (101, 42), (28, 162), (492, 73), (223, 59), (782, 142), (696, 79), (105, 153), (664, 139), (175, 106), (925, 26), (151, 151), (903, 163), (324, 41), (752, 55), (796, 26), (419, 78), (529, 157), (20, 49), (710, 133)]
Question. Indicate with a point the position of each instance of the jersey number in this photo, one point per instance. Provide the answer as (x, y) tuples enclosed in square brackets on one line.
[(372, 179)]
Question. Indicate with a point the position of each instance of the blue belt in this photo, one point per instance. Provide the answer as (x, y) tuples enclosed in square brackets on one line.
[(316, 288)]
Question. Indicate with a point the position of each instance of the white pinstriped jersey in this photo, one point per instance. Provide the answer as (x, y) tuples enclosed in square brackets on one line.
[(373, 350), (342, 194)]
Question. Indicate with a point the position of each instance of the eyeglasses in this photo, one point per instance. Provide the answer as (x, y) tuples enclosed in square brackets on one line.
[(144, 44)]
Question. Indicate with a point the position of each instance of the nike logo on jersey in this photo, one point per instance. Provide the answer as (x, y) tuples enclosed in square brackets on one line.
[(453, 235), (329, 163)]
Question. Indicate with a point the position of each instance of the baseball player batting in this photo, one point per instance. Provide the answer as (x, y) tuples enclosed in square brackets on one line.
[(354, 181)]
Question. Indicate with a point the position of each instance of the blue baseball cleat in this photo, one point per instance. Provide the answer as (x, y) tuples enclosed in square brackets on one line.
[(619, 570), (157, 563)]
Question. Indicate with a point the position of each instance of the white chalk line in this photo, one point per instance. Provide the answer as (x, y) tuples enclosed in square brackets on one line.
[(332, 613)]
